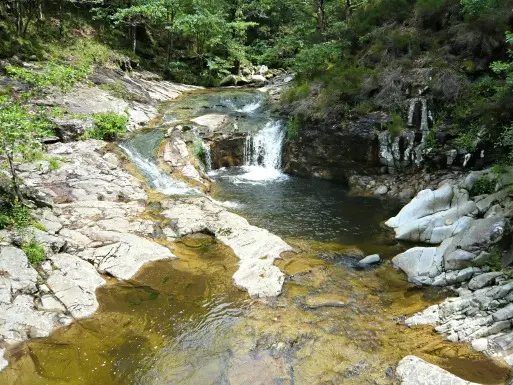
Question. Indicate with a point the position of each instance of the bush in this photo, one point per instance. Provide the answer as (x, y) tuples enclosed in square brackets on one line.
[(14, 215), (35, 252), (484, 185), (107, 126), (293, 129), (299, 92), (396, 127), (50, 74)]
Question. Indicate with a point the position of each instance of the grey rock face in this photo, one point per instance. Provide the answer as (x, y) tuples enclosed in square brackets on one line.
[(412, 370), (369, 260)]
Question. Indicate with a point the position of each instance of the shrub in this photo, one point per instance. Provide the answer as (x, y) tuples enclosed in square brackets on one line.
[(396, 127), (107, 126), (299, 92), (14, 214), (35, 252), (50, 74), (54, 163), (484, 185), (293, 129), (494, 262)]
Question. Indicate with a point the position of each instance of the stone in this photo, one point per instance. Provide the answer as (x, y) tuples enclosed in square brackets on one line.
[(412, 370), (324, 300), (3, 361), (71, 129), (505, 313), (123, 254), (369, 260), (429, 316), (257, 79), (74, 284), (263, 70), (49, 303), (381, 190), (256, 248), (458, 259), (480, 345), (483, 280), (433, 216), (17, 275), (421, 264)]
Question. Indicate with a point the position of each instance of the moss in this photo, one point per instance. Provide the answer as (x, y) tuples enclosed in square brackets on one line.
[(293, 129), (396, 127), (299, 92)]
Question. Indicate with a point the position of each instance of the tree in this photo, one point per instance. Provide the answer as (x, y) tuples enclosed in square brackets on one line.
[(20, 133)]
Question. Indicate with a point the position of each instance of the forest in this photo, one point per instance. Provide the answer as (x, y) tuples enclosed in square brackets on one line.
[(351, 57)]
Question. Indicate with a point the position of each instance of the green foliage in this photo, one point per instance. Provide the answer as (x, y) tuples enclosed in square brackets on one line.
[(484, 185), (494, 262), (54, 163), (396, 127), (467, 139), (298, 92), (20, 131), (199, 151), (293, 129), (477, 7), (50, 74), (107, 126), (317, 58), (35, 252), (14, 215), (120, 90)]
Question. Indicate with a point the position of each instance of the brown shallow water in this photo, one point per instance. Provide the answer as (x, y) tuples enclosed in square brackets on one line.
[(183, 322)]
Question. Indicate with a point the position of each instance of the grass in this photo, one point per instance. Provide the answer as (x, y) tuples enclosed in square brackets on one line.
[(107, 126), (396, 127), (35, 252), (293, 129), (484, 185)]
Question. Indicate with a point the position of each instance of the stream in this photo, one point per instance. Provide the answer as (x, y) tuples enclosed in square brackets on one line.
[(184, 322)]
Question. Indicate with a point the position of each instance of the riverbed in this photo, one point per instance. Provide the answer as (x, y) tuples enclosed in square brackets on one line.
[(184, 322)]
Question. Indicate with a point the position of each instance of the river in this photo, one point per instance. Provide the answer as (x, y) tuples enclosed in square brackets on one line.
[(184, 322)]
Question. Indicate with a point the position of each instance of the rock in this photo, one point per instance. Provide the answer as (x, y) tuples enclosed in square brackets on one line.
[(480, 345), (230, 80), (257, 79), (256, 248), (71, 129), (381, 190), (505, 313), (429, 316), (369, 260), (263, 70), (214, 122), (412, 370), (433, 216), (324, 300), (17, 275), (458, 259), (421, 264), (49, 303), (74, 284), (407, 193), (483, 280), (3, 361), (123, 254)]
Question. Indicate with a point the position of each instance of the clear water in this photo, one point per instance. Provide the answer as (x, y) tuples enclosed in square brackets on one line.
[(183, 322)]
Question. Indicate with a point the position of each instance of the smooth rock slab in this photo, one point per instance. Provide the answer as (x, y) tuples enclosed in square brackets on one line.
[(369, 260), (74, 283), (483, 280), (255, 247), (412, 370), (17, 276)]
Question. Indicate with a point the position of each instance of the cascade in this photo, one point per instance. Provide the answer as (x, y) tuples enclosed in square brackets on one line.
[(265, 148), (208, 156), (156, 178)]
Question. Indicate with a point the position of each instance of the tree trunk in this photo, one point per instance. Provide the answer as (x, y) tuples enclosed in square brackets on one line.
[(134, 38), (348, 9), (14, 178), (321, 17), (19, 18)]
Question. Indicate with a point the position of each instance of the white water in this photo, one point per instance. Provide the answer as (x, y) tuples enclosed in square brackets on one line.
[(262, 154), (249, 108), (208, 156), (157, 179)]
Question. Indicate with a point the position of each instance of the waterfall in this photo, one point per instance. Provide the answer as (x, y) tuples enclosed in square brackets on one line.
[(263, 152), (156, 178), (208, 156)]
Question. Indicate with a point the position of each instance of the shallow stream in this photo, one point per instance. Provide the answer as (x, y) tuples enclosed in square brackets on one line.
[(184, 322)]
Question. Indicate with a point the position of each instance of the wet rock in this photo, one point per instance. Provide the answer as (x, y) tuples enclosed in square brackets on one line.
[(480, 345), (369, 260), (429, 316), (412, 370), (324, 300), (3, 361), (381, 190), (256, 248)]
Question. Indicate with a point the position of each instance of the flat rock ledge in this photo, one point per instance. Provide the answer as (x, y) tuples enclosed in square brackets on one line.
[(465, 234), (92, 225), (412, 370)]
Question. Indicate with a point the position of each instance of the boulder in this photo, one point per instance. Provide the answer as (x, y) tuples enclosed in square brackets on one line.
[(369, 260), (69, 130), (17, 276), (412, 370), (433, 216), (483, 280)]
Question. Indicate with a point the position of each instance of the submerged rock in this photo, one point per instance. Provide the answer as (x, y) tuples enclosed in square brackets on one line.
[(324, 300), (412, 370), (369, 260)]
